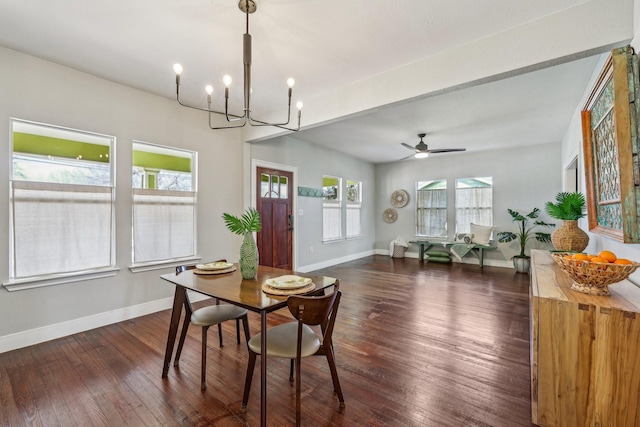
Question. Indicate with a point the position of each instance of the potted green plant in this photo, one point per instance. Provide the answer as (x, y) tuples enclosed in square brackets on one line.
[(569, 208), (525, 233), (246, 225)]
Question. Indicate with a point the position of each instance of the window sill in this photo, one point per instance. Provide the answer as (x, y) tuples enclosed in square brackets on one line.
[(58, 279), (356, 237), (329, 241), (159, 265)]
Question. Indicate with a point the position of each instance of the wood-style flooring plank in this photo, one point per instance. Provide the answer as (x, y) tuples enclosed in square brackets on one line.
[(416, 344)]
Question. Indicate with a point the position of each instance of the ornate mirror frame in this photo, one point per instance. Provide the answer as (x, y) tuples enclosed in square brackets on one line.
[(610, 142)]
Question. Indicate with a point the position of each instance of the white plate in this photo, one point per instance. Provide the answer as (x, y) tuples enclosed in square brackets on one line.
[(288, 282), (213, 266)]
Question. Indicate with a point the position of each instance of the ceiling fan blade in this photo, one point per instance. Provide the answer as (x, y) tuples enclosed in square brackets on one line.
[(410, 147), (446, 150)]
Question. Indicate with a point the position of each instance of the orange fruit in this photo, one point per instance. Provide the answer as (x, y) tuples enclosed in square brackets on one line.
[(608, 255), (622, 261), (590, 257), (600, 260), (581, 257)]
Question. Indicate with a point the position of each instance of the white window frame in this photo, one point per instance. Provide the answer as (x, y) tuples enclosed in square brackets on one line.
[(354, 211), (65, 199), (435, 213), (154, 244), (332, 211), (481, 215)]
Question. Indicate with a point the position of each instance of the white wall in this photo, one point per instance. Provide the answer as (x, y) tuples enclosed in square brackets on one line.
[(523, 178), (313, 162), (38, 90)]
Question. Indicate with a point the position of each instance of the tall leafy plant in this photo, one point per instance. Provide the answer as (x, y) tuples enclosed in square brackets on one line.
[(248, 222), (525, 230)]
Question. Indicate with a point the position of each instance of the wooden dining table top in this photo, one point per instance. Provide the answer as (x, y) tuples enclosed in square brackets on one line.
[(247, 293)]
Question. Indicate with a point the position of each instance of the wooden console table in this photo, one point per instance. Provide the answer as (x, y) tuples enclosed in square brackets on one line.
[(585, 351), (476, 250)]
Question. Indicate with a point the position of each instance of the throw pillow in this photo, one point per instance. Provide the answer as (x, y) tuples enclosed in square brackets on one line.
[(481, 234), (464, 238)]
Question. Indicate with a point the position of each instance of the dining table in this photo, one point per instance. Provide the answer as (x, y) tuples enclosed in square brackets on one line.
[(231, 288)]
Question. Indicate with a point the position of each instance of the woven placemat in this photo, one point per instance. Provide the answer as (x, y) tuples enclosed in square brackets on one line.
[(274, 291), (226, 270)]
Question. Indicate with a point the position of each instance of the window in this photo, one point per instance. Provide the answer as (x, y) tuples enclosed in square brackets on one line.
[(431, 208), (274, 186), (61, 202), (331, 208), (354, 205), (164, 203), (474, 202)]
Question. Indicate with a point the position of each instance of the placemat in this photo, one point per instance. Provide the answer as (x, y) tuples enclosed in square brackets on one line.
[(226, 270), (274, 291)]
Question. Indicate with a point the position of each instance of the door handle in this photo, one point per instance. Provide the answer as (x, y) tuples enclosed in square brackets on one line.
[(290, 222)]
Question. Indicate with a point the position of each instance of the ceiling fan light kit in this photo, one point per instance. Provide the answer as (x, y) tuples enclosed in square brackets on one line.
[(422, 150), (247, 7)]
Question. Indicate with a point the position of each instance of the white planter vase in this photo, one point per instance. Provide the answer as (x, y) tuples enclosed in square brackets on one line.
[(521, 264)]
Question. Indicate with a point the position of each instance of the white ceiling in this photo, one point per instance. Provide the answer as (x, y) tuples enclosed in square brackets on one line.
[(324, 45)]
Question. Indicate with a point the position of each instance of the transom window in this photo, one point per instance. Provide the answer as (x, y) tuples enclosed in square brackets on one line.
[(431, 208)]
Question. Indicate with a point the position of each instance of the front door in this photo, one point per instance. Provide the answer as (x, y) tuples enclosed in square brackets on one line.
[(275, 205)]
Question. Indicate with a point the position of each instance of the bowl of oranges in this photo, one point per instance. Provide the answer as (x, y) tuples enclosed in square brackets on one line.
[(592, 274)]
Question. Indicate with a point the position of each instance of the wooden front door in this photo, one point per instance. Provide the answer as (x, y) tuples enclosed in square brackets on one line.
[(275, 205)]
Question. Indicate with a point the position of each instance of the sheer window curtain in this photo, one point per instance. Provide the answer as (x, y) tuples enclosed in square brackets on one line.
[(163, 224), (353, 220), (44, 239), (431, 218), (331, 221), (473, 205)]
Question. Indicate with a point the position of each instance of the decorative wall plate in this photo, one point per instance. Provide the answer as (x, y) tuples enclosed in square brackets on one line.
[(389, 215), (399, 198)]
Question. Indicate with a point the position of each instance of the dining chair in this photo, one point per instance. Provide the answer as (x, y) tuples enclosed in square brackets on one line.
[(296, 340), (207, 317)]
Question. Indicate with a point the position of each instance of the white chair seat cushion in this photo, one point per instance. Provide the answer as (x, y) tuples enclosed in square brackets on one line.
[(282, 341), (214, 314)]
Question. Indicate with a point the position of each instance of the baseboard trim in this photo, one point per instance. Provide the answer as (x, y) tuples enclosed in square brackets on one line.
[(70, 327), (335, 261)]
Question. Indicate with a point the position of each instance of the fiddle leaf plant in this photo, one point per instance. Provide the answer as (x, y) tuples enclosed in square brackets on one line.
[(525, 230), (249, 222)]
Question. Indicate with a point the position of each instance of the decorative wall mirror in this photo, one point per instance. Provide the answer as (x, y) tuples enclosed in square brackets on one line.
[(610, 139)]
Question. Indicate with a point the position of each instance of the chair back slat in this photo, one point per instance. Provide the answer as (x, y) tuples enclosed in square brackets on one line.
[(316, 308)]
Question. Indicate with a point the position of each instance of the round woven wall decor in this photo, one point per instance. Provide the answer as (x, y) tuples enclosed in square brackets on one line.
[(399, 198), (390, 215)]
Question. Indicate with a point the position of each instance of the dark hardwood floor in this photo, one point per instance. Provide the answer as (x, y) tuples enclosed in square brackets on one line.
[(416, 345)]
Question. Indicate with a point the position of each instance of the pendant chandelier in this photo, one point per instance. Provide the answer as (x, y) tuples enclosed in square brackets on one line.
[(235, 120)]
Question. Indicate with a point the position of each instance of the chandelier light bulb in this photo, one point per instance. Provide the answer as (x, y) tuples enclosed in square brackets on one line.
[(290, 82), (227, 80), (177, 68), (299, 105), (209, 89), (421, 155)]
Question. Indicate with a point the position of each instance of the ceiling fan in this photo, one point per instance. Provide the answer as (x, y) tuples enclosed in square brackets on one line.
[(422, 149)]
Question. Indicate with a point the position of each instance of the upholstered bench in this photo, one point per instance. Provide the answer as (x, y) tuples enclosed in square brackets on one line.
[(459, 249)]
